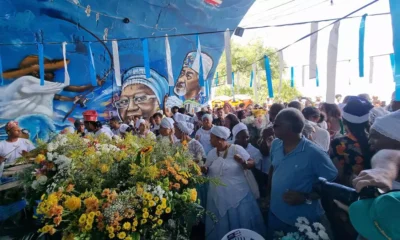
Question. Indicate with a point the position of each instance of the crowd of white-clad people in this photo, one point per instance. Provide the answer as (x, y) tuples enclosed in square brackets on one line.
[(269, 158)]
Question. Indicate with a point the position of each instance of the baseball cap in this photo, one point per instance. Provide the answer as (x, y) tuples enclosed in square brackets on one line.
[(379, 218)]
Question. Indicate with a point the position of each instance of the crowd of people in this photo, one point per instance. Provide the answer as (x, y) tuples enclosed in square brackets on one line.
[(269, 158)]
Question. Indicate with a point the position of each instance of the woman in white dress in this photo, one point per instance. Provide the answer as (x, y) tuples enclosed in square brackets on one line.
[(144, 129), (203, 134), (233, 204), (182, 132), (166, 130)]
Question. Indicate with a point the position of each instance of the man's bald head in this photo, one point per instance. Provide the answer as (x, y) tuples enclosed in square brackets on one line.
[(292, 118)]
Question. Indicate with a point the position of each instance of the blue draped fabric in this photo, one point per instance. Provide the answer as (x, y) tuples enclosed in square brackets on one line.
[(269, 76), (92, 68), (395, 12), (292, 76), (41, 63), (233, 79), (251, 78), (146, 58), (201, 73), (316, 77), (361, 46)]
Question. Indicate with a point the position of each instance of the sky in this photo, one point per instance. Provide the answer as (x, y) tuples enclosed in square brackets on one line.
[(378, 41)]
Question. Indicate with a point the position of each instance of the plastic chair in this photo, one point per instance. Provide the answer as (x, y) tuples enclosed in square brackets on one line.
[(242, 234)]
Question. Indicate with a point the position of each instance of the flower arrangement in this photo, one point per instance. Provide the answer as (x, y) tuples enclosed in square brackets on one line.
[(307, 231), (128, 188)]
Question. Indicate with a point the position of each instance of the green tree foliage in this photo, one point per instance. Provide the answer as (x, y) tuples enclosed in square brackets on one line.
[(242, 59)]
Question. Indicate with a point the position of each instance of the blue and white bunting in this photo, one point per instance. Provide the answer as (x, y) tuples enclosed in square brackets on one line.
[(268, 74), (201, 70), (92, 67), (171, 81), (41, 63), (227, 39), (117, 67), (67, 79), (292, 77), (361, 46), (313, 50), (251, 78)]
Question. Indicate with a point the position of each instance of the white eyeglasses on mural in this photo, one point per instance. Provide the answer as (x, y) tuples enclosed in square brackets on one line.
[(124, 102)]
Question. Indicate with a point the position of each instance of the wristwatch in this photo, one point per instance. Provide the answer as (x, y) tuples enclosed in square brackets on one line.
[(308, 199)]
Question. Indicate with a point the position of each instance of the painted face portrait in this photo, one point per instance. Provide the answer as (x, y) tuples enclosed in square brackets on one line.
[(188, 84), (140, 96)]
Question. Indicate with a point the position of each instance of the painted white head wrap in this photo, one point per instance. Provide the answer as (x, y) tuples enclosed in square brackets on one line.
[(123, 128), (238, 128), (221, 132), (167, 123), (185, 127), (140, 121), (377, 112), (388, 125), (192, 60), (208, 116)]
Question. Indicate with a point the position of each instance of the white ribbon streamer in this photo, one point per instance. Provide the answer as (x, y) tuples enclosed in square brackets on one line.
[(171, 81), (303, 75), (332, 63), (371, 69), (281, 66), (227, 38), (67, 79), (117, 67), (255, 83), (313, 50)]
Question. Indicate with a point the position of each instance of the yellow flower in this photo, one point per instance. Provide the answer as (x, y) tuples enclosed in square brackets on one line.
[(145, 210), (40, 158), (82, 219), (158, 212), (156, 199), (133, 229), (89, 221), (193, 195), (111, 229), (134, 170), (121, 235), (91, 215), (98, 213), (145, 214), (168, 210), (70, 188), (104, 168), (143, 221), (69, 236), (152, 203), (118, 228), (150, 216), (163, 200), (159, 222), (111, 235), (72, 203), (88, 227), (163, 206), (126, 226), (159, 207), (128, 238), (135, 223), (151, 172)]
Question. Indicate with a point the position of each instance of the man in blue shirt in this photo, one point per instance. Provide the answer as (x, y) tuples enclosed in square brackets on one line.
[(297, 163)]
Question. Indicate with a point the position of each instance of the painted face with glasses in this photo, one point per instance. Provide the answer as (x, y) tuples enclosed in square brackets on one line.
[(137, 100)]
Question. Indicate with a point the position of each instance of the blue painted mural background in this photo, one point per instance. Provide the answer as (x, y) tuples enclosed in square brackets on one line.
[(28, 21)]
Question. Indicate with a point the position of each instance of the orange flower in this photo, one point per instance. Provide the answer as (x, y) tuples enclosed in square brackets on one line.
[(92, 204), (105, 192), (177, 186), (163, 172), (146, 150), (57, 220), (70, 188), (340, 149), (178, 177), (185, 181), (56, 210)]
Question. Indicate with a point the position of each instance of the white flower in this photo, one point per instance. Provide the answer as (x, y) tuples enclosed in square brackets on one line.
[(319, 226), (312, 235), (49, 156), (42, 180), (51, 147), (35, 184), (323, 235), (303, 220), (85, 140), (304, 228)]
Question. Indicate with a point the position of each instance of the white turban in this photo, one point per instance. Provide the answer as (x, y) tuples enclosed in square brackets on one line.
[(167, 123), (192, 60), (123, 128), (238, 128), (140, 121), (221, 132), (179, 117), (208, 116), (388, 125), (377, 112), (186, 127)]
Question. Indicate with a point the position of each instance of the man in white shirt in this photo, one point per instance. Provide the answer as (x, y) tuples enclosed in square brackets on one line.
[(14, 147), (115, 126)]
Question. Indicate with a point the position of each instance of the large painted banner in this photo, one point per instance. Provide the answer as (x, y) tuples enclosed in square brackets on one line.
[(37, 91)]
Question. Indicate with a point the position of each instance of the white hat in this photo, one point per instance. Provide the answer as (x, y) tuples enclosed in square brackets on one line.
[(178, 117), (208, 116), (123, 128), (140, 121), (185, 127), (167, 123), (221, 132), (377, 112), (238, 128), (388, 125), (192, 60)]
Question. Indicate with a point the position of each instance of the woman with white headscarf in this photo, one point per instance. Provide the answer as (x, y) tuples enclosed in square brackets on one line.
[(203, 134), (166, 130), (183, 130), (144, 129), (233, 204)]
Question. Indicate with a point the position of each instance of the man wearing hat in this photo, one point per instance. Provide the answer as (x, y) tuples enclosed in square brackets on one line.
[(92, 125), (26, 96), (141, 96), (14, 146), (188, 81)]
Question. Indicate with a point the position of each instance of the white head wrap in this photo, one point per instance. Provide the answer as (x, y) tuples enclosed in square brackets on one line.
[(179, 117), (123, 128), (238, 128), (185, 127), (221, 132), (140, 121), (167, 123), (388, 125), (208, 116), (192, 61), (377, 112)]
